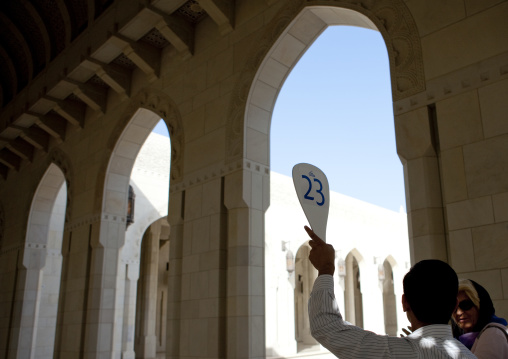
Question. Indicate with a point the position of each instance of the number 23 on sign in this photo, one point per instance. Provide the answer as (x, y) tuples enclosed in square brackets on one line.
[(306, 196), (313, 192)]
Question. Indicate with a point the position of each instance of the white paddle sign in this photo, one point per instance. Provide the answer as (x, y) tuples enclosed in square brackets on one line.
[(314, 194)]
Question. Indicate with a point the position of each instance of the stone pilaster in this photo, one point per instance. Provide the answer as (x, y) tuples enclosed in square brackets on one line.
[(27, 300), (246, 196), (74, 291), (148, 293), (129, 318), (349, 301), (418, 148), (175, 218)]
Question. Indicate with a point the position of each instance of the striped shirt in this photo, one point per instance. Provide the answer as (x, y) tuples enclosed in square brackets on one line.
[(347, 341)]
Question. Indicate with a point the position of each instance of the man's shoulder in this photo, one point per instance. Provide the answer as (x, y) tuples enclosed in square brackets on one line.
[(438, 338)]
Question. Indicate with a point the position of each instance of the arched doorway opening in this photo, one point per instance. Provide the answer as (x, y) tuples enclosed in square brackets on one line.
[(112, 257), (143, 331), (279, 60)]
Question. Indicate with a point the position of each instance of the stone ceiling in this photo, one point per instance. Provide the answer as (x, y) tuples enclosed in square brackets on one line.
[(41, 95)]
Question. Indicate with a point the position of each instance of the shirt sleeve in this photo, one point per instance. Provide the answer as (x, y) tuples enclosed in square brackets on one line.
[(344, 339), (492, 344)]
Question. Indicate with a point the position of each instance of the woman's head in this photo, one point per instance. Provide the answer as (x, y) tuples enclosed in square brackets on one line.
[(475, 307)]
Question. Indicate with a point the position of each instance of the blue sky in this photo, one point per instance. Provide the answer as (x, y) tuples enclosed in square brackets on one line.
[(335, 112)]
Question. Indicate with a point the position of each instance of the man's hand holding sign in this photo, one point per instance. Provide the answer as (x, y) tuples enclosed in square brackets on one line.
[(313, 192)]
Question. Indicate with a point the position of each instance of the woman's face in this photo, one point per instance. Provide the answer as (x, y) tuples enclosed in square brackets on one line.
[(466, 314)]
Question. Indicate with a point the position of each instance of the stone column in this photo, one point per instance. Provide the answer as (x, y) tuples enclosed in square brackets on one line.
[(310, 275), (349, 311), (74, 292), (52, 273), (129, 319), (340, 282), (246, 198), (418, 150), (9, 263), (23, 338), (148, 292), (203, 271), (175, 219), (103, 312), (49, 303)]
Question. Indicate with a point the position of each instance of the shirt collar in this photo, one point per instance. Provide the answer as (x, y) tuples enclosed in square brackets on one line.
[(435, 330)]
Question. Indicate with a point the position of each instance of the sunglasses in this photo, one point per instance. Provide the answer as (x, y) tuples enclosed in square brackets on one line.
[(466, 304)]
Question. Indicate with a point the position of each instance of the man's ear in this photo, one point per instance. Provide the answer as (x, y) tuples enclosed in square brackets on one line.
[(405, 304)]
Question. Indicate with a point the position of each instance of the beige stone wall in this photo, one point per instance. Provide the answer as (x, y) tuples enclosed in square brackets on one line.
[(460, 180), (449, 79)]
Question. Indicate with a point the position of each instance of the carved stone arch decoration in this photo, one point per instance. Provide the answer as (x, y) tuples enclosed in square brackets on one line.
[(161, 104), (59, 158), (391, 18)]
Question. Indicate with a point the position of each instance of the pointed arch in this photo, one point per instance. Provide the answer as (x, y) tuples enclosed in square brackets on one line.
[(287, 38), (152, 196), (145, 110), (42, 206), (164, 107), (42, 263), (137, 121), (391, 261)]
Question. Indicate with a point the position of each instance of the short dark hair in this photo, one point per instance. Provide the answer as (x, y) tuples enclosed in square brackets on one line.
[(431, 288)]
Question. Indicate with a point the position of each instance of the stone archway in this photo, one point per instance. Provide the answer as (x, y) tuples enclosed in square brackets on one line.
[(287, 38), (42, 264), (149, 181), (137, 122)]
